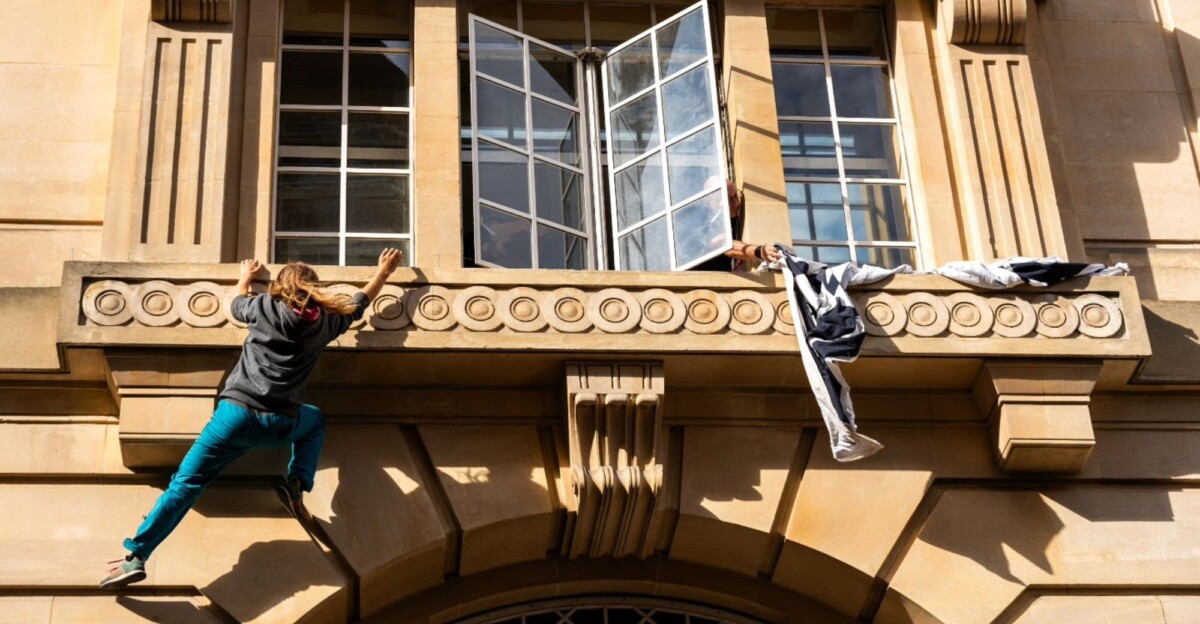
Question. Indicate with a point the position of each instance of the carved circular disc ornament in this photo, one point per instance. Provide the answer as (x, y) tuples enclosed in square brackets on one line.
[(784, 323), (1099, 316), (882, 313), (1014, 316), (475, 309), (107, 303), (662, 311), (566, 310), (970, 314), (389, 311), (707, 312), (614, 311), (154, 303), (349, 291), (199, 304), (927, 314), (521, 309), (431, 307), (1057, 318), (750, 312)]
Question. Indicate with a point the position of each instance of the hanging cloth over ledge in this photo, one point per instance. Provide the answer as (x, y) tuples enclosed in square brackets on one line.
[(830, 332)]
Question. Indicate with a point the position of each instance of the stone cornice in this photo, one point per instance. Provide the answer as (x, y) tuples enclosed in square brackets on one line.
[(196, 11), (111, 304), (985, 22)]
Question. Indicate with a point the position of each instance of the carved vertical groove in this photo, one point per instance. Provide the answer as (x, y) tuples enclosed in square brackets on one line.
[(202, 11), (985, 22)]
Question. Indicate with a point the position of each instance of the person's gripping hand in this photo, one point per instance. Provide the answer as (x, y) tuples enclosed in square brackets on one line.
[(771, 253), (249, 269), (389, 259)]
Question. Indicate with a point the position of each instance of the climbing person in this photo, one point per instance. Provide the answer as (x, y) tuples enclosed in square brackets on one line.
[(261, 404)]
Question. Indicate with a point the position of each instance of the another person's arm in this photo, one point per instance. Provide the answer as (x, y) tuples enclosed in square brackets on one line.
[(751, 253), (389, 259)]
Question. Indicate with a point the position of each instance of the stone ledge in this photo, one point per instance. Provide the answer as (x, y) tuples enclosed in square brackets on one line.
[(479, 309)]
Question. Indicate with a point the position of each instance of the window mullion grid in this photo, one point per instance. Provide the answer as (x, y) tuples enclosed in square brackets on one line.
[(901, 152), (593, 161), (837, 135), (662, 141), (531, 163), (345, 133)]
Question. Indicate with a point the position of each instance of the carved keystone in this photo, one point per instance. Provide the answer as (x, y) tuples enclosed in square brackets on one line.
[(201, 11), (1038, 413), (987, 22), (614, 429)]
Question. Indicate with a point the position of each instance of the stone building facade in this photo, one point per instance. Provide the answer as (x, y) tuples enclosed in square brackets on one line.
[(574, 443)]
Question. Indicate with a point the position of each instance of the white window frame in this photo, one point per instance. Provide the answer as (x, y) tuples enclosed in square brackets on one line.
[(714, 121), (343, 170), (583, 169), (852, 244)]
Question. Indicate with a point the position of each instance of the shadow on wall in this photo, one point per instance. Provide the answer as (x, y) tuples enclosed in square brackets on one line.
[(176, 611), (263, 570)]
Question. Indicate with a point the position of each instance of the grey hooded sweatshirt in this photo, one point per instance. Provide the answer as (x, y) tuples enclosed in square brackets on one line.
[(280, 353)]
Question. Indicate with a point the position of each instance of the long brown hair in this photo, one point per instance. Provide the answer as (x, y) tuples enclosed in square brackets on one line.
[(296, 286)]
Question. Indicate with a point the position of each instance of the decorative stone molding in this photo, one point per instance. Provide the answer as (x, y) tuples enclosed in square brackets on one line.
[(987, 22), (614, 429), (1039, 412), (201, 11), (113, 304)]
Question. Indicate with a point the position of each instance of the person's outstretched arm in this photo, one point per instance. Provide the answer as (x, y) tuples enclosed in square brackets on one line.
[(389, 259), (248, 271), (750, 253)]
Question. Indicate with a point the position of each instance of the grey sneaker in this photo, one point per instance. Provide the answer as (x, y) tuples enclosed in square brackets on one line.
[(131, 570)]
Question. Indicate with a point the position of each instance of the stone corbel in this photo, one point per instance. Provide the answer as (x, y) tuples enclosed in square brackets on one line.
[(196, 11), (985, 22), (614, 429), (1038, 413)]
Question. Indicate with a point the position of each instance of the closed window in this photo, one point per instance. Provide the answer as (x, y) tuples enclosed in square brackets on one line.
[(847, 191), (343, 155)]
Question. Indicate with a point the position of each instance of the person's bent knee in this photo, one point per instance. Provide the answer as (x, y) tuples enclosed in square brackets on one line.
[(313, 413)]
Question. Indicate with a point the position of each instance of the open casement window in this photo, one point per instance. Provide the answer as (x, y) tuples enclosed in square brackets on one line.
[(537, 139), (666, 162), (530, 177)]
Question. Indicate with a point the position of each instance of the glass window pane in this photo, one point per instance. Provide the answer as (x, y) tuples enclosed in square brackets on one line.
[(878, 212), (310, 78), (378, 140), (307, 202), (646, 248), (310, 139), (365, 251), (378, 79), (665, 617), (800, 90), (560, 250), (308, 250), (808, 149), (869, 150), (560, 23), (635, 129), (861, 91), (377, 204), (629, 71), (625, 615), (640, 192), (886, 257), (795, 34), (681, 43), (503, 177), (815, 211), (503, 12), (612, 24), (504, 239), (380, 23), (687, 102), (552, 74), (313, 22), (700, 229), (828, 255), (554, 132), (693, 165), (559, 194), (500, 113), (855, 34), (499, 54)]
